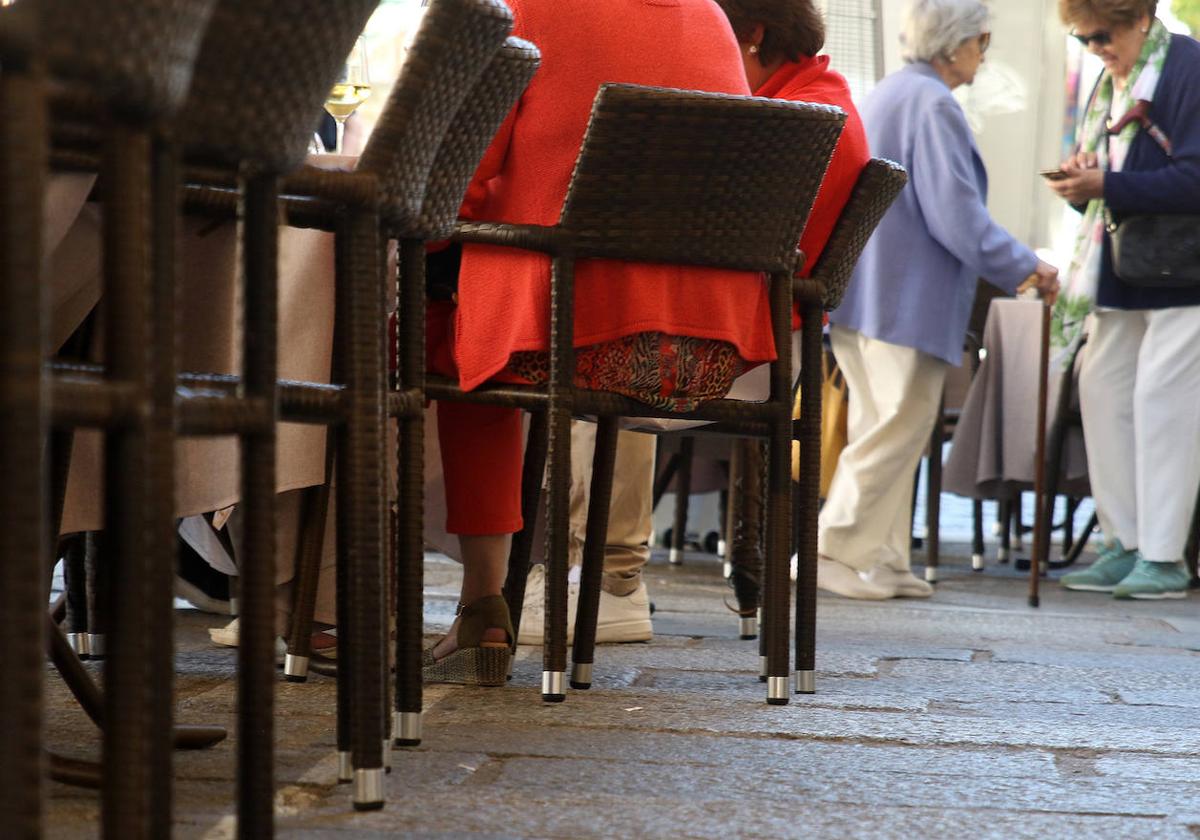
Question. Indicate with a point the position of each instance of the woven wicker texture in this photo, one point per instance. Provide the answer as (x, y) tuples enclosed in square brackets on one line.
[(456, 41), (264, 71), (877, 187), (697, 178), (476, 122), (137, 56)]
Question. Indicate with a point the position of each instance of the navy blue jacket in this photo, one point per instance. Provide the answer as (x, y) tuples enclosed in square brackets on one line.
[(1150, 182)]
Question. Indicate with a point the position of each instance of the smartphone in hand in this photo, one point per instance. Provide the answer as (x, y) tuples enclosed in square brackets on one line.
[(1054, 174)]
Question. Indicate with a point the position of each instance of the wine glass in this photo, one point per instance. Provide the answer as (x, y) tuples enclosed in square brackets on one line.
[(352, 88)]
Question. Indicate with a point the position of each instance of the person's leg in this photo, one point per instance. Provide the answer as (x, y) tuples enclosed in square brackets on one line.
[(1166, 421), (1106, 391), (897, 391), (629, 514), (481, 455)]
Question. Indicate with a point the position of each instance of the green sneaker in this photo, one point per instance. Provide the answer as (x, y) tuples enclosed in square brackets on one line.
[(1153, 581), (1111, 567)]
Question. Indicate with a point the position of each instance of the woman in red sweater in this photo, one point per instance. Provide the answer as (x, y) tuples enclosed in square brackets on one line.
[(665, 323), (779, 40)]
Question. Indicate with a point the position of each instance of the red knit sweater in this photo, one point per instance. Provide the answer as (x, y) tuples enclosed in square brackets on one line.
[(504, 293), (811, 80)]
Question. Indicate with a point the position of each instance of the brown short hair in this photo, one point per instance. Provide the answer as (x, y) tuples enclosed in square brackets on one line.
[(792, 27), (1110, 12)]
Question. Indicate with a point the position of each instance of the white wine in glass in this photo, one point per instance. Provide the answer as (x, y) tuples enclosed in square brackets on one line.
[(349, 91)]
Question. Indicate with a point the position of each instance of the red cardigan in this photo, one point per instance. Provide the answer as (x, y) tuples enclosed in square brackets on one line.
[(504, 293), (811, 80)]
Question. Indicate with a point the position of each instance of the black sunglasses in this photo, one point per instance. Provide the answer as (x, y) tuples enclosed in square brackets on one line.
[(1101, 38)]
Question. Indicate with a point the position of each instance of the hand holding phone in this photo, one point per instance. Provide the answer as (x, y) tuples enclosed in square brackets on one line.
[(1054, 174)]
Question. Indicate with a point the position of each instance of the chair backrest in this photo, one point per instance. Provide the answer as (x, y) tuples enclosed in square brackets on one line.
[(455, 42), (262, 77), (877, 187), (697, 178), (136, 58), (18, 34), (470, 133)]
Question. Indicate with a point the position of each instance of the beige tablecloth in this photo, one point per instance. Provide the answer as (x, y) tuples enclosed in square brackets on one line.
[(993, 452), (207, 468)]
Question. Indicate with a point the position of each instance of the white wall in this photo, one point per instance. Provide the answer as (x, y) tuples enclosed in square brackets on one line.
[(1016, 108)]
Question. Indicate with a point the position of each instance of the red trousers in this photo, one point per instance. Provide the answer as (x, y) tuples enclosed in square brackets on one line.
[(482, 447)]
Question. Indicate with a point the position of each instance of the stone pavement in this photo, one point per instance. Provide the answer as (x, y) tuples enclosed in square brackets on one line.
[(970, 715)]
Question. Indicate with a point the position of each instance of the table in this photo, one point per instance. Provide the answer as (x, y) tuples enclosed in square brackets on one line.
[(207, 470), (993, 451)]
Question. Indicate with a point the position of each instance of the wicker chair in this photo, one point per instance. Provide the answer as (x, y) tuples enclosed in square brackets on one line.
[(262, 78), (672, 141), (449, 54), (877, 186), (489, 101), (124, 71), (22, 420)]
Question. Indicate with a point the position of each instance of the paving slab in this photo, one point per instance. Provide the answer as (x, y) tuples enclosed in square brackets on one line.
[(968, 715)]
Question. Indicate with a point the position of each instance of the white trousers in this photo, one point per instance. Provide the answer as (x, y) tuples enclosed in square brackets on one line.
[(1139, 391), (895, 393)]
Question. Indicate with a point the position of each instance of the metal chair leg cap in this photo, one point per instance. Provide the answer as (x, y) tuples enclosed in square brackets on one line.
[(977, 562), (345, 768), (931, 574), (406, 729), (368, 789), (777, 691), (806, 682), (553, 683)]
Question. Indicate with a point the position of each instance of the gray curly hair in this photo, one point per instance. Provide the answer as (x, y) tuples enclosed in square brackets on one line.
[(934, 28)]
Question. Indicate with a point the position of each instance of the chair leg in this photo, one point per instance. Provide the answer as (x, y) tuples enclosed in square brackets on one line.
[(1004, 523), (933, 497), (136, 799), (808, 431), (409, 556), (75, 586), (977, 535), (256, 622), (663, 480), (777, 591), (683, 492), (583, 656), (99, 584), (531, 497), (746, 479), (1191, 550), (360, 519), (311, 541)]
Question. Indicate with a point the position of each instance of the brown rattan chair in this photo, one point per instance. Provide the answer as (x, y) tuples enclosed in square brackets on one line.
[(474, 124), (123, 71), (23, 533), (456, 40), (877, 187), (264, 72), (664, 147)]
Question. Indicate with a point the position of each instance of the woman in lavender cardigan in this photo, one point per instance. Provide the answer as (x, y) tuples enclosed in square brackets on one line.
[(905, 314)]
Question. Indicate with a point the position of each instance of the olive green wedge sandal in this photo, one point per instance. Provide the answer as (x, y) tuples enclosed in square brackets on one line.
[(476, 662)]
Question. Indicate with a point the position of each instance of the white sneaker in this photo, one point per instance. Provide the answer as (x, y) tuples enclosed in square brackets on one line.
[(906, 584), (533, 608), (227, 636), (624, 618), (840, 579), (621, 618)]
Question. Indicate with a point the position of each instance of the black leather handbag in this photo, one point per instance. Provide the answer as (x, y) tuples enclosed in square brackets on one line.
[(1158, 250)]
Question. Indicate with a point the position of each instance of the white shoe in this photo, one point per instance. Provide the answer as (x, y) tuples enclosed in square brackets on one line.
[(624, 618), (533, 608), (840, 579), (906, 584), (621, 618), (227, 636)]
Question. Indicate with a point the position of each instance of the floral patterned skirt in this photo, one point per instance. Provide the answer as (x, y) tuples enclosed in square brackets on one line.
[(668, 372)]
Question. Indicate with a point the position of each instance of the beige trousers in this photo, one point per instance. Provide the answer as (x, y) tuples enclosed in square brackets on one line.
[(629, 522), (895, 393), (1139, 393)]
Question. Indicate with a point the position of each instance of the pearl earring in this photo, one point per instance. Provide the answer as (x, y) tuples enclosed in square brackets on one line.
[(753, 49)]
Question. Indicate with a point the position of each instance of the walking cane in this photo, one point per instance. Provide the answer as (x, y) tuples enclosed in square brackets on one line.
[(1040, 541)]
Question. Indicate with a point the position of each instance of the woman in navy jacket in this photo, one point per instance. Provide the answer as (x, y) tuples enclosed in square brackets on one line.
[(1140, 379)]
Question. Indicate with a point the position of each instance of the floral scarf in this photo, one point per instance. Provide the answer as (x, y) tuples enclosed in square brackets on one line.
[(1078, 295)]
